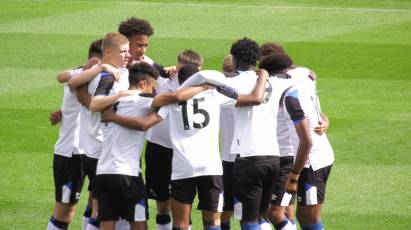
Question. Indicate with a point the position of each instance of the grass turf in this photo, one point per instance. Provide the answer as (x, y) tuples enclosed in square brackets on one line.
[(359, 49)]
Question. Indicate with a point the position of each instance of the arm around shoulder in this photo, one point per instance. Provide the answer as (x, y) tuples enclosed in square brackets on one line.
[(256, 97), (138, 123)]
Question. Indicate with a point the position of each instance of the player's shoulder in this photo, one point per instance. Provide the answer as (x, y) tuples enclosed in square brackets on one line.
[(136, 101), (148, 60), (299, 72)]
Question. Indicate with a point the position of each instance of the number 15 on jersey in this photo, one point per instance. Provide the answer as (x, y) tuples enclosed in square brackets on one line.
[(196, 111)]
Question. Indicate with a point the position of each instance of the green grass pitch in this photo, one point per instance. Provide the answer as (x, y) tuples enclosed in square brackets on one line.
[(359, 49)]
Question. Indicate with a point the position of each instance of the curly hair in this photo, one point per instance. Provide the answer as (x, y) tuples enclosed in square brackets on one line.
[(271, 48), (246, 50), (141, 71), (135, 26), (275, 63)]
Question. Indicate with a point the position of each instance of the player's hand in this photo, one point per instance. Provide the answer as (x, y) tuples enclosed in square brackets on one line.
[(121, 94), (171, 70), (91, 62), (111, 69), (55, 117), (322, 127), (207, 86), (108, 115), (262, 73), (291, 185)]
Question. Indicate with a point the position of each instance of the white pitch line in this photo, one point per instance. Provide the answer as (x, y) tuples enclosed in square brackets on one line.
[(192, 4)]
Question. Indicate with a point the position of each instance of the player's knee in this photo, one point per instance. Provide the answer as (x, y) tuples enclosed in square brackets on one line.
[(309, 214), (163, 207), (64, 212), (276, 214)]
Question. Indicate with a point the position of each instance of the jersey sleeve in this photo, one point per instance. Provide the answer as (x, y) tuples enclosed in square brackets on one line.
[(293, 106), (104, 85), (224, 100), (75, 72), (206, 76), (228, 91), (164, 111)]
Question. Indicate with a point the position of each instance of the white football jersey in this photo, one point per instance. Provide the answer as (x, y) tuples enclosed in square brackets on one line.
[(194, 132), (122, 146), (227, 133), (159, 133), (91, 135), (255, 126), (67, 143), (321, 154), (286, 134)]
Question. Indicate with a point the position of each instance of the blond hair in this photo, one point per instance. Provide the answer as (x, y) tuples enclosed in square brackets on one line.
[(113, 40), (189, 56)]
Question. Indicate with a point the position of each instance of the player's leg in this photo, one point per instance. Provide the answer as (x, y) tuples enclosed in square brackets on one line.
[(115, 196), (68, 181), (158, 176), (271, 164), (90, 166), (210, 195), (290, 212), (138, 225), (228, 195), (87, 212), (107, 225), (183, 192), (163, 217), (281, 199), (181, 214), (248, 190), (133, 203), (311, 194)]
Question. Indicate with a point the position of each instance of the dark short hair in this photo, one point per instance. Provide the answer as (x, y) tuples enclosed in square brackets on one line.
[(275, 63), (141, 71), (186, 71), (271, 48), (95, 49), (246, 50), (135, 26), (189, 56)]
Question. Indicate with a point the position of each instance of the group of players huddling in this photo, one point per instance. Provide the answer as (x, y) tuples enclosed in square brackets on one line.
[(273, 145)]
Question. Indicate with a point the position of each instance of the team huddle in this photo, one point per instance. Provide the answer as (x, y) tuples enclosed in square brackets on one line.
[(248, 142)]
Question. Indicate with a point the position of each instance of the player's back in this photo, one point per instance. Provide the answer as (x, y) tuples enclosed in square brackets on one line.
[(194, 130), (255, 128)]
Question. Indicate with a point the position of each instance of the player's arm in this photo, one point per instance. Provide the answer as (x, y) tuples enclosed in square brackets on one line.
[(82, 95), (323, 124), (206, 76), (55, 117), (101, 99), (256, 97), (138, 123), (305, 143), (182, 94), (64, 76), (88, 75)]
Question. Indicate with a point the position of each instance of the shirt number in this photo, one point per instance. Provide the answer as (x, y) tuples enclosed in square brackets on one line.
[(196, 110)]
